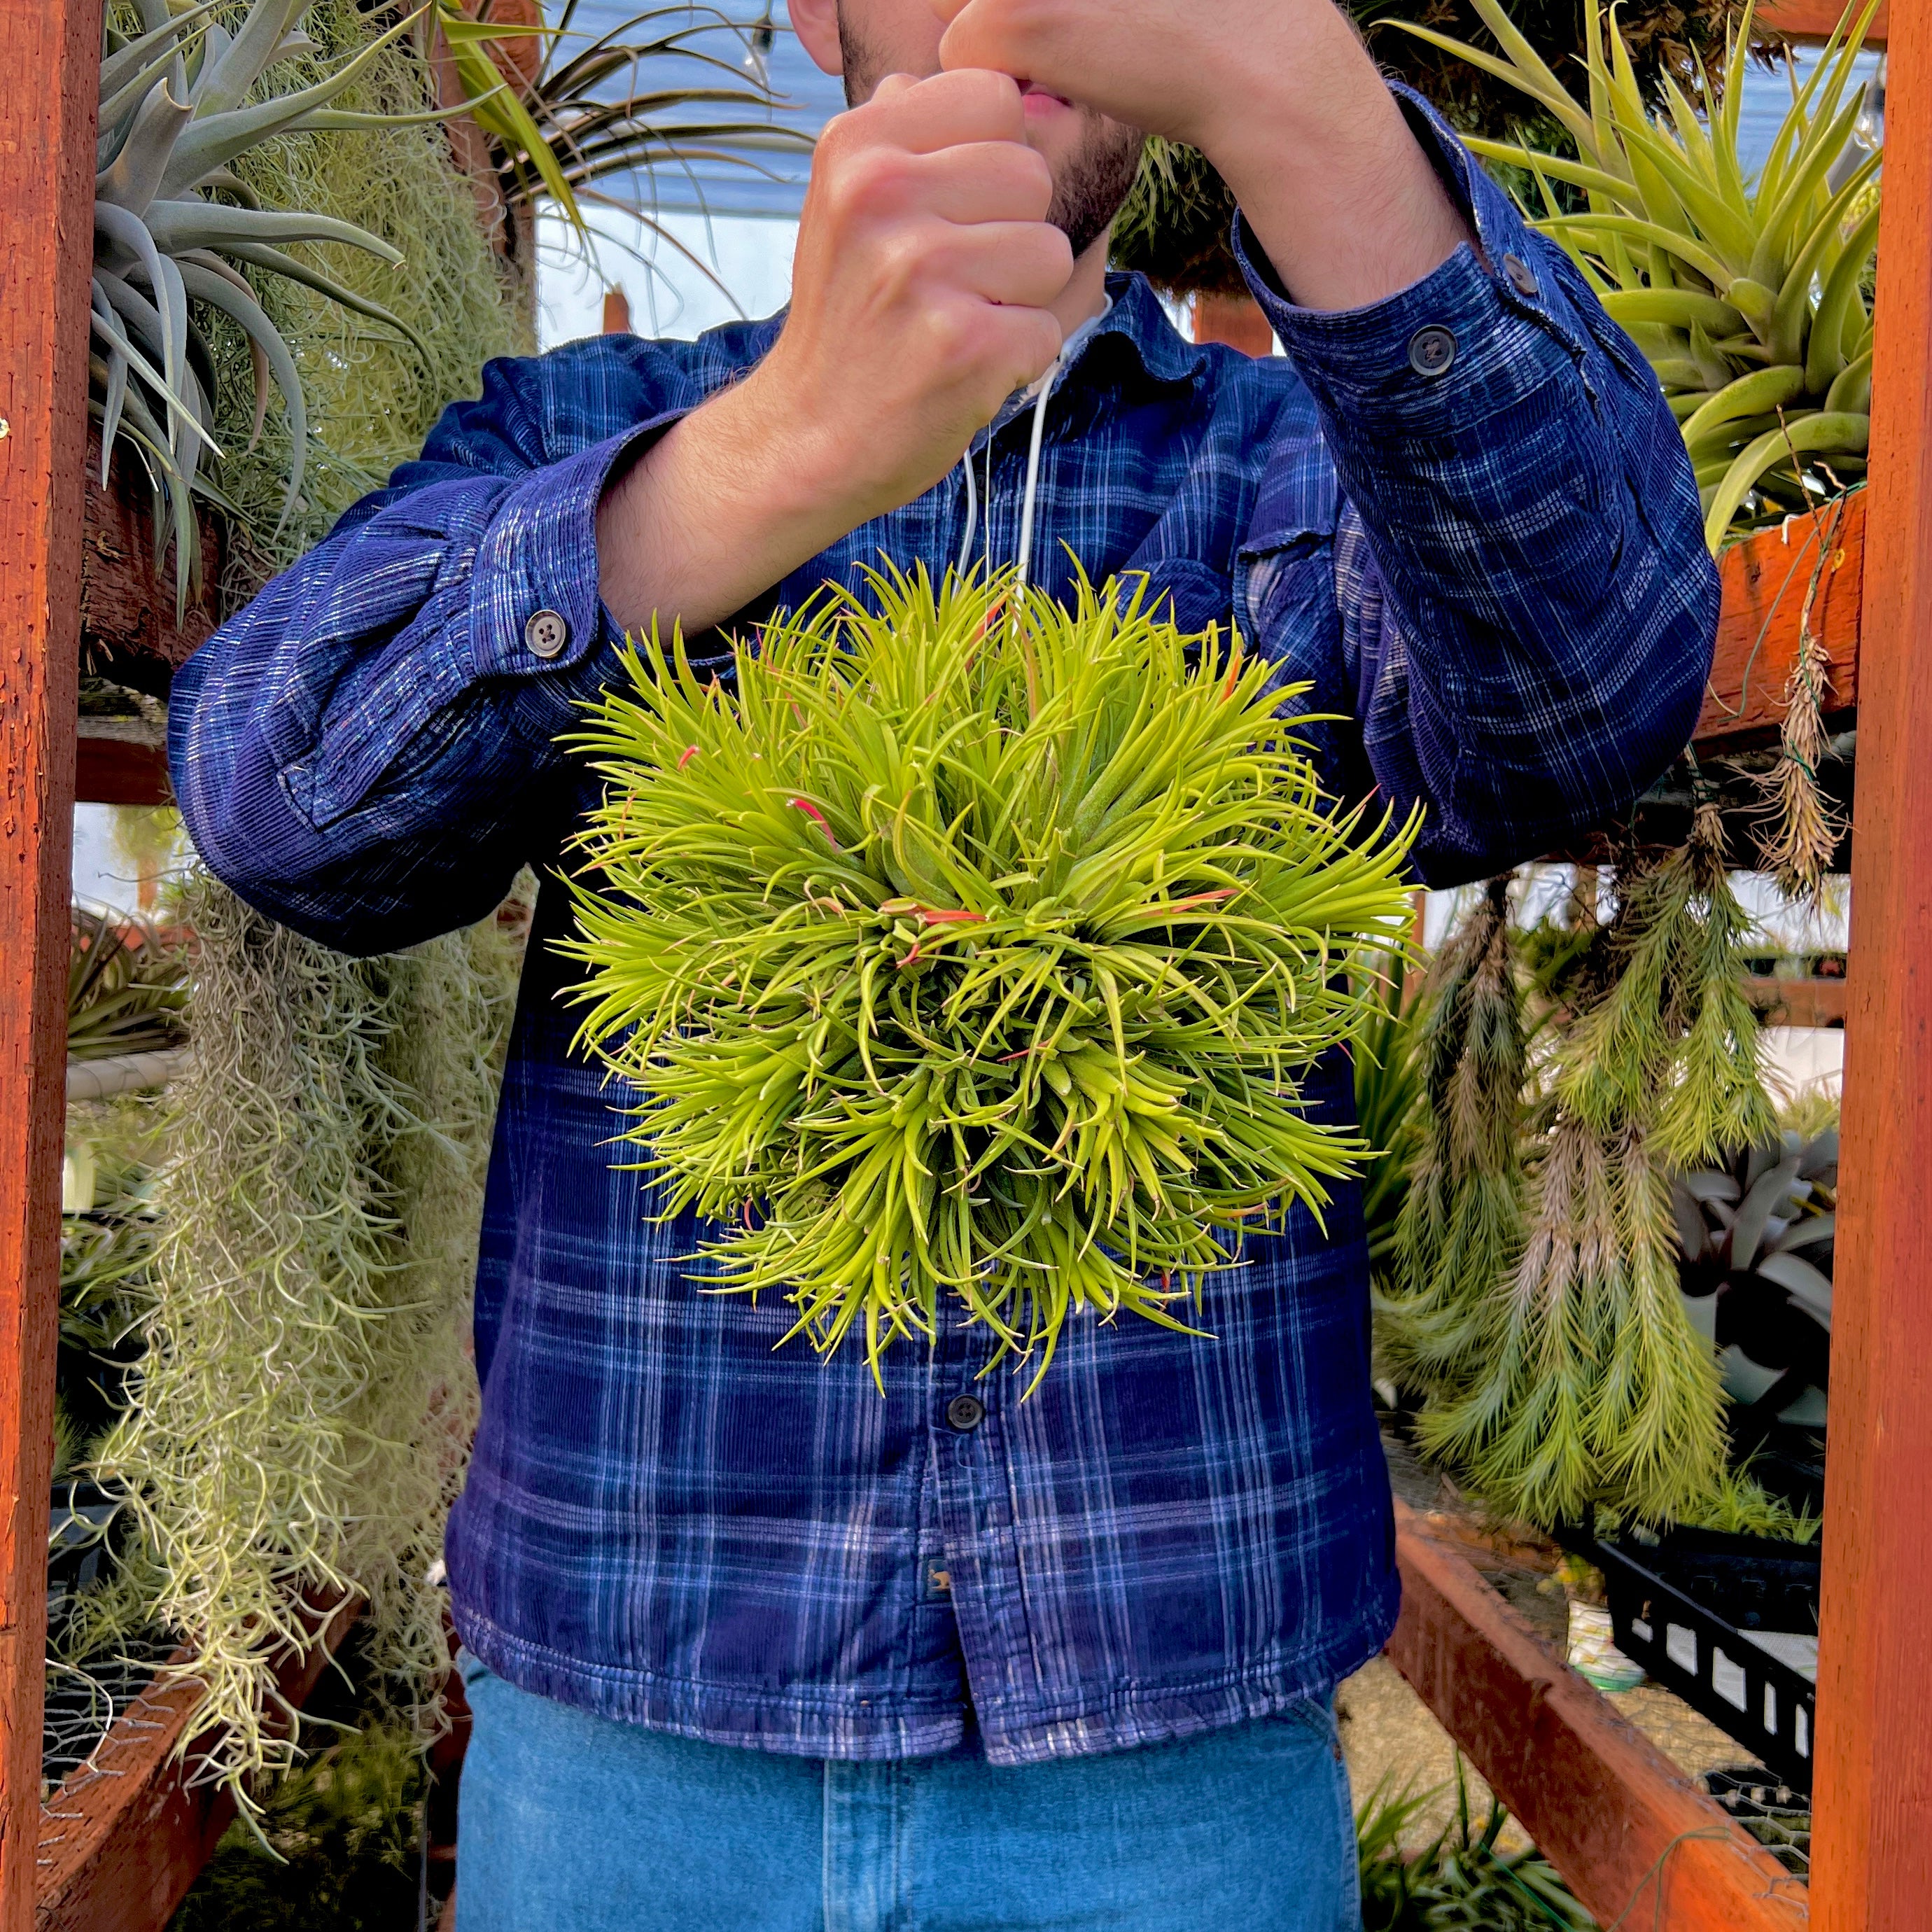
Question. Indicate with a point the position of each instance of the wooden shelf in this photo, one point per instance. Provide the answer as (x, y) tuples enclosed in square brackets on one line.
[(1800, 1003), (1638, 1843), (121, 761), (125, 1836)]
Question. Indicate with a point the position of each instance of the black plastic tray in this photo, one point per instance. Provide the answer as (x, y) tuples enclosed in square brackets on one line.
[(1681, 1606)]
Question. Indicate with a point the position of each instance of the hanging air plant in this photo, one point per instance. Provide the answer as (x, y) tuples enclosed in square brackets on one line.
[(297, 1422), (1748, 296), (1461, 1228), (174, 226), (973, 950), (1539, 1306)]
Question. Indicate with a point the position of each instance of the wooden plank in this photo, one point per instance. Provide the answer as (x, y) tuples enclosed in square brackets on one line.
[(1818, 20), (52, 48), (120, 767), (1873, 1842), (1799, 1003), (1637, 1842), (1766, 579), (124, 1838)]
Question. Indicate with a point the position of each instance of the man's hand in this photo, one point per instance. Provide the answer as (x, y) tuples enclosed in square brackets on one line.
[(1279, 94), (921, 291), (921, 297)]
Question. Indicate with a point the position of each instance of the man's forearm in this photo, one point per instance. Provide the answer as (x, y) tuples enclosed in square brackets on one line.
[(720, 508), (1333, 185)]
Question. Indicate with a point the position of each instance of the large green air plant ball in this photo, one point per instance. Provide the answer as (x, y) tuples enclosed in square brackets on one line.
[(974, 950)]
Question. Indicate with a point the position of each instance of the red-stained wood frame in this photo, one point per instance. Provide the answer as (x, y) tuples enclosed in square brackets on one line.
[(52, 48), (1873, 1845), (1637, 1840), (1818, 19), (125, 1836)]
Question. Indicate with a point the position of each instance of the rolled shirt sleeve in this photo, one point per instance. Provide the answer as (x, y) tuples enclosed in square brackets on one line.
[(368, 751), (1527, 604)]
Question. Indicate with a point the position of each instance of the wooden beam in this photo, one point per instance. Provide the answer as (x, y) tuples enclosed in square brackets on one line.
[(120, 762), (1637, 1842), (1237, 320), (52, 48), (1799, 1003), (1817, 20), (124, 1838), (1873, 1846), (1767, 579)]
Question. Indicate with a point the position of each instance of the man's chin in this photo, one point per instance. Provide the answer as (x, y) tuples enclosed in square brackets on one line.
[(1092, 180)]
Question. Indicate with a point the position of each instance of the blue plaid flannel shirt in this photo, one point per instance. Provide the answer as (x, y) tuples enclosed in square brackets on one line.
[(1480, 546)]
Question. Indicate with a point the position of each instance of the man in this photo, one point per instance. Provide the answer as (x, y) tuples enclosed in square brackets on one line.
[(753, 1645)]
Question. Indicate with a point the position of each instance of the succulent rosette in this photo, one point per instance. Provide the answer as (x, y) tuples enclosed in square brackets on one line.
[(967, 946)]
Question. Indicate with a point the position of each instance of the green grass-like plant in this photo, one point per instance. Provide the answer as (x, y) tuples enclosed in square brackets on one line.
[(973, 947), (1462, 1878)]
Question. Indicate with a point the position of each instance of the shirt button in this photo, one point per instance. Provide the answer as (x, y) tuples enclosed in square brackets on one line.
[(965, 1412), (1522, 276), (1431, 350), (546, 634)]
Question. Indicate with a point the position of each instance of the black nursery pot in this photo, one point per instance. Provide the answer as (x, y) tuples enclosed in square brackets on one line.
[(1687, 1607)]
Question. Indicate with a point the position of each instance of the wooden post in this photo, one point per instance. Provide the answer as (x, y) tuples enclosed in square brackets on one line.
[(52, 48), (1237, 320), (1872, 1862)]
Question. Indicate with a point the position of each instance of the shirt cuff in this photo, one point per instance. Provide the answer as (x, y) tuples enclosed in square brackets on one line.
[(1475, 336), (535, 606)]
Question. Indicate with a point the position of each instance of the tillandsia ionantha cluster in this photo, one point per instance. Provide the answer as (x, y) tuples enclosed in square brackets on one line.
[(973, 948), (1746, 295), (1561, 1369), (174, 225)]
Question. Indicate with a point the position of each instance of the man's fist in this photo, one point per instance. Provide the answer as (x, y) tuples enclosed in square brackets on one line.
[(920, 289)]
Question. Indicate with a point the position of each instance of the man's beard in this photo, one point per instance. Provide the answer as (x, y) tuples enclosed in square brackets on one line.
[(1093, 181)]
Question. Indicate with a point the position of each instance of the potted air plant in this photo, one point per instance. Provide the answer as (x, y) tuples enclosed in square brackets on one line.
[(1748, 294)]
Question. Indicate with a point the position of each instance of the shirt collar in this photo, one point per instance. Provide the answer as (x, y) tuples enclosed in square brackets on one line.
[(1135, 315), (1138, 319)]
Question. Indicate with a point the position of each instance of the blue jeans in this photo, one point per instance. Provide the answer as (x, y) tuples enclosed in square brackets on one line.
[(570, 1822)]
